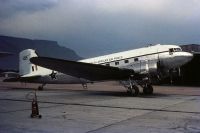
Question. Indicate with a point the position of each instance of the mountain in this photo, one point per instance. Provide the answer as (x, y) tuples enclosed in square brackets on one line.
[(191, 47), (42, 47)]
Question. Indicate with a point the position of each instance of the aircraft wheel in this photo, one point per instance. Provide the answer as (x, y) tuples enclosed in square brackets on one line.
[(134, 91), (148, 89)]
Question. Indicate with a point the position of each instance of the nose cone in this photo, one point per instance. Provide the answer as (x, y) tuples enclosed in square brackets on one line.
[(188, 56), (184, 57)]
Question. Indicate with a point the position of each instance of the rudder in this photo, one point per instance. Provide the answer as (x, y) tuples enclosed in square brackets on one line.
[(25, 66)]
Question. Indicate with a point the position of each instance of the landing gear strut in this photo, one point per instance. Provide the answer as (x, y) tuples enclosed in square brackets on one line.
[(133, 90)]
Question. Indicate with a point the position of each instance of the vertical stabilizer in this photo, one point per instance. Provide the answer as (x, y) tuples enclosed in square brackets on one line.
[(25, 66)]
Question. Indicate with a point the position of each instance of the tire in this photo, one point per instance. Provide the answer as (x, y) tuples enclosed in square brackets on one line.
[(134, 91), (148, 90)]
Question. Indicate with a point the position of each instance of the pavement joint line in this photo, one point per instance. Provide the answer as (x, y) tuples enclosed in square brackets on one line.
[(151, 111), (184, 101), (112, 124), (115, 123), (114, 107)]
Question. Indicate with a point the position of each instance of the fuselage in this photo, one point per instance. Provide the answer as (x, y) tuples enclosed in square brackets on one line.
[(142, 60), (170, 56)]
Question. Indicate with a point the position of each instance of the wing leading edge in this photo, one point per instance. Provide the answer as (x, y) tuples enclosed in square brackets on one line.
[(93, 72)]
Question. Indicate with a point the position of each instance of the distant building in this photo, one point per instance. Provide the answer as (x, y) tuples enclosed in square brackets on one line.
[(9, 74)]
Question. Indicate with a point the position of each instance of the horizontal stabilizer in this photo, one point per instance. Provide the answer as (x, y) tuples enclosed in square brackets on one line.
[(4, 54), (11, 80), (22, 79)]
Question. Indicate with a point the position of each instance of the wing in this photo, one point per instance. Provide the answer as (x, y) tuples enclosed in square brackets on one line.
[(88, 71)]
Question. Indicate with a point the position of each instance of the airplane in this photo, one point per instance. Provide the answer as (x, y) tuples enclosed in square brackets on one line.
[(131, 68)]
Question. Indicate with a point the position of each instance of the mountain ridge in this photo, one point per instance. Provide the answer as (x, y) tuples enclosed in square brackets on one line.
[(43, 48)]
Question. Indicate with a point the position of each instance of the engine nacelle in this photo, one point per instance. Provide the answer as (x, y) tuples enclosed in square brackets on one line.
[(145, 67)]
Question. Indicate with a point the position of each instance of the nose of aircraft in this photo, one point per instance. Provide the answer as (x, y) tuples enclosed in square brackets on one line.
[(178, 59), (185, 57), (188, 55)]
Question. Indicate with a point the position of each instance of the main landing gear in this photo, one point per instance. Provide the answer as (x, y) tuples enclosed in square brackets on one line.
[(133, 88)]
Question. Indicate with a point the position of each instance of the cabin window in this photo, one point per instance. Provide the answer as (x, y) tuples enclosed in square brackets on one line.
[(177, 49), (126, 61), (33, 68), (171, 50), (136, 59), (36, 68), (107, 64), (116, 63)]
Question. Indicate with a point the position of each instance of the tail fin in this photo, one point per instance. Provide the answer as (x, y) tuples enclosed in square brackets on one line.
[(25, 66)]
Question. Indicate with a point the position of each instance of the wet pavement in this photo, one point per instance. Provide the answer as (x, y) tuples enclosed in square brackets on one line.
[(103, 108)]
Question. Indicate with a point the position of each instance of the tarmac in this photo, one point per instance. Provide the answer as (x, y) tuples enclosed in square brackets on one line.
[(102, 108)]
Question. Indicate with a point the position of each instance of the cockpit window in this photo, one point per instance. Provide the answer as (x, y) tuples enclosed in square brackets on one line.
[(171, 50), (177, 49)]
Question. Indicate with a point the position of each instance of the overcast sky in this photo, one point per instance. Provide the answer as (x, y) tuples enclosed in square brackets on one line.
[(96, 27)]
